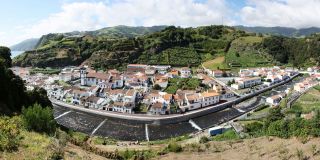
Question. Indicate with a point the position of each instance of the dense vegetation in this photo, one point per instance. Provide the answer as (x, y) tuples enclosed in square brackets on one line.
[(118, 46), (9, 133), (276, 125), (174, 46), (13, 94), (296, 51), (39, 119)]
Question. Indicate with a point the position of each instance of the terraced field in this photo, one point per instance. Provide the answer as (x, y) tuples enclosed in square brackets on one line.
[(309, 101)]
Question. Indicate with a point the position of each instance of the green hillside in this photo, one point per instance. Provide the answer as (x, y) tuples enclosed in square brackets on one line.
[(283, 31), (118, 46)]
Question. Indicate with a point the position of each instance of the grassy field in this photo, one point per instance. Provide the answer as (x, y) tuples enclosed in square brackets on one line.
[(33, 146), (247, 59), (216, 63), (242, 53), (249, 40)]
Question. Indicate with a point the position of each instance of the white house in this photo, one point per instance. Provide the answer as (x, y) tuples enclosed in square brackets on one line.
[(191, 101), (246, 82), (185, 72), (123, 107), (274, 100), (159, 108), (79, 96), (92, 78), (95, 102)]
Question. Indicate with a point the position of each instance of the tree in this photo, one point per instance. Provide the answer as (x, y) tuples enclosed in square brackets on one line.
[(12, 96), (253, 127), (39, 119), (275, 114), (39, 96), (5, 54)]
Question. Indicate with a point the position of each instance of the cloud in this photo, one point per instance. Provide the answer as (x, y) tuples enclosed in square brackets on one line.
[(289, 13), (94, 15)]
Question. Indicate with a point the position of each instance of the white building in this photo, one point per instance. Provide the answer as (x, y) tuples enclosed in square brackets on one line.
[(274, 100), (123, 107), (92, 78), (159, 109), (246, 82), (95, 102), (185, 72), (192, 101), (79, 96)]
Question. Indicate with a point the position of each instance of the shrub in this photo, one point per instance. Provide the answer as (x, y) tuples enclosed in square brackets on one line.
[(204, 139), (174, 147), (10, 137), (39, 119), (253, 128)]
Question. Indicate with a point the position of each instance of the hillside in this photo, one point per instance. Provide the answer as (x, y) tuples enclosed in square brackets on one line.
[(118, 46), (25, 45), (174, 46), (284, 31), (104, 33)]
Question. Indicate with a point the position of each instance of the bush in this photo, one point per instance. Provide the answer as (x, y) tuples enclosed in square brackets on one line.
[(39, 119), (253, 128), (174, 147), (204, 139), (10, 137)]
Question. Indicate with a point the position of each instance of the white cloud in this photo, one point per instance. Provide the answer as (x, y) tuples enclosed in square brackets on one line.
[(288, 13), (89, 16), (94, 15)]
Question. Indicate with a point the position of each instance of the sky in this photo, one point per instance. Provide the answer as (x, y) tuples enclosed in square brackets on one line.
[(23, 19)]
